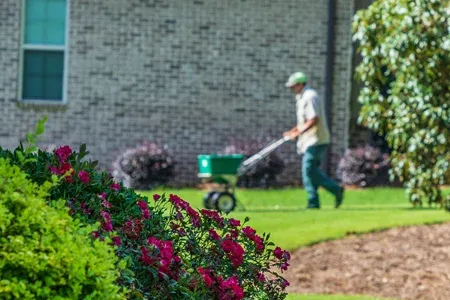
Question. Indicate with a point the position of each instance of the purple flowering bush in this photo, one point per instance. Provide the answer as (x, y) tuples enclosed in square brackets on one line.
[(364, 167), (144, 167)]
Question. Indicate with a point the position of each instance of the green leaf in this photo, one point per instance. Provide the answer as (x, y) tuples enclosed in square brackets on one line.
[(55, 179), (82, 148), (40, 128), (122, 264), (31, 138), (20, 156)]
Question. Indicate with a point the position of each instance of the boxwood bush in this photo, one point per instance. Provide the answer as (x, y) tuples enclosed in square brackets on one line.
[(44, 254)]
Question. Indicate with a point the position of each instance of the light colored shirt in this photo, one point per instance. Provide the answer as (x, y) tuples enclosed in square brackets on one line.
[(309, 106)]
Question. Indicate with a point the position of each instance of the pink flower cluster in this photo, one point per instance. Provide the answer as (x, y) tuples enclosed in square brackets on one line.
[(107, 224), (83, 176), (63, 153), (250, 233), (214, 216), (85, 208), (231, 289), (65, 168), (214, 235), (228, 289), (234, 222), (180, 204), (161, 255), (234, 251), (283, 256), (105, 202), (116, 240), (115, 187), (133, 228), (144, 209)]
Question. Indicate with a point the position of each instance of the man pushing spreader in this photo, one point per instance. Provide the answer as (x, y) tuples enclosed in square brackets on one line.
[(313, 139)]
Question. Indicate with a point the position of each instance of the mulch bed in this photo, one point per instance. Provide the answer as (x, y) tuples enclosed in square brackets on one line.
[(401, 263)]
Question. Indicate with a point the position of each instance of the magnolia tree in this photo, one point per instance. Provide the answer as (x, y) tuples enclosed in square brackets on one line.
[(405, 48)]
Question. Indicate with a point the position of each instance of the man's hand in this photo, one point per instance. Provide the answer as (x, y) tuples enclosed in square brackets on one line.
[(293, 134)]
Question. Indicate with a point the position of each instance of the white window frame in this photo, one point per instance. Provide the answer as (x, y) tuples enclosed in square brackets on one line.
[(64, 49)]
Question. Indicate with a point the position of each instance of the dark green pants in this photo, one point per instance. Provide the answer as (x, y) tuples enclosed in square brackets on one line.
[(314, 177)]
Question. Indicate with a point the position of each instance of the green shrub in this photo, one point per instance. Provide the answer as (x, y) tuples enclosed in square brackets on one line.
[(405, 47), (44, 254)]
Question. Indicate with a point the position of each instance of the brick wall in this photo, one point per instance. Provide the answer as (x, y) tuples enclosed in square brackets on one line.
[(189, 74), (342, 78), (359, 135)]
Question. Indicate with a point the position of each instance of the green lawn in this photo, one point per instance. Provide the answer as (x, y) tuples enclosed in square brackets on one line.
[(281, 213)]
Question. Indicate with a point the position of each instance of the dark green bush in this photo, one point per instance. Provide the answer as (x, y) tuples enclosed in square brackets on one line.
[(405, 95), (44, 254)]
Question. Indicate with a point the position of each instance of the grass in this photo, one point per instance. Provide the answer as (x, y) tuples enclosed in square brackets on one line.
[(281, 212)]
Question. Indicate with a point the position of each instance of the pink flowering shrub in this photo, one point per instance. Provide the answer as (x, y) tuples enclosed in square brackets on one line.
[(171, 250)]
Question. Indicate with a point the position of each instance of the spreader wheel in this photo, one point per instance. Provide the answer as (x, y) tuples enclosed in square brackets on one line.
[(224, 201), (208, 201)]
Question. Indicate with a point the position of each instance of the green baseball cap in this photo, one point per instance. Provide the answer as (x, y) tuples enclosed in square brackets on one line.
[(296, 78)]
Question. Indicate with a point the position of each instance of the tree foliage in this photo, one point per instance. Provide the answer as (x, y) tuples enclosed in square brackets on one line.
[(405, 74)]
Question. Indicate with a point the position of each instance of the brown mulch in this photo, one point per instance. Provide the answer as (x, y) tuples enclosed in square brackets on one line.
[(401, 263)]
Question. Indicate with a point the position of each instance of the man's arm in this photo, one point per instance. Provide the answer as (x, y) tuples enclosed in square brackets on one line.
[(295, 132), (308, 125)]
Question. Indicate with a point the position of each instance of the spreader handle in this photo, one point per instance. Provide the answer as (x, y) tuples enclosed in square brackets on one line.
[(261, 154)]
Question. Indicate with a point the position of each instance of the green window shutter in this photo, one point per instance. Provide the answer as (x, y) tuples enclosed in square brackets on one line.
[(43, 68), (45, 22), (43, 75)]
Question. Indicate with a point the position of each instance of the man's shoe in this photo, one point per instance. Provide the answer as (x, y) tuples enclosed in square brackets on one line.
[(339, 198), (313, 207)]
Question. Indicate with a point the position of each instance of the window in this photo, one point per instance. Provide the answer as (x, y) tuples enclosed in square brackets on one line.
[(44, 50)]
